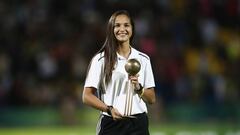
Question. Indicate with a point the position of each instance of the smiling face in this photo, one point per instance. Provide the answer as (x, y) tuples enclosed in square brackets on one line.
[(122, 28)]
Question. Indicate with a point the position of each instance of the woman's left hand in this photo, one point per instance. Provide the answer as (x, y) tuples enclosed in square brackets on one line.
[(134, 81)]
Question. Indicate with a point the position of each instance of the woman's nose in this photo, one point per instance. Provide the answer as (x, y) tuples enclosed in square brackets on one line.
[(122, 28)]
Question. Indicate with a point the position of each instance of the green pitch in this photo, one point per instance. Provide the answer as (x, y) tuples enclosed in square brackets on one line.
[(88, 120), (155, 129)]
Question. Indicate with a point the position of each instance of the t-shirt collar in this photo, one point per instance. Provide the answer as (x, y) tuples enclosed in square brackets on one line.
[(133, 54)]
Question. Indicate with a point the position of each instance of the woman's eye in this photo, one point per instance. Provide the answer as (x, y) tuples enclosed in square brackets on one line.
[(116, 25), (123, 25)]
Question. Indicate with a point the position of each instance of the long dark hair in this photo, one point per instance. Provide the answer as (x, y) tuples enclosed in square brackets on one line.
[(110, 45)]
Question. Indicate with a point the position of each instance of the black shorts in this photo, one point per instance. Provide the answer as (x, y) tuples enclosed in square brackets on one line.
[(126, 126)]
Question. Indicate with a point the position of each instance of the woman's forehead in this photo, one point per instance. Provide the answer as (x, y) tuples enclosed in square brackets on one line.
[(122, 18)]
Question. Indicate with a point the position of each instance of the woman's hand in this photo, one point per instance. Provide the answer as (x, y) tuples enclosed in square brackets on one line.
[(115, 114), (134, 81)]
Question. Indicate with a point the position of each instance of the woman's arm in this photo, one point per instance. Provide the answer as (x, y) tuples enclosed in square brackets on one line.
[(149, 95), (90, 99)]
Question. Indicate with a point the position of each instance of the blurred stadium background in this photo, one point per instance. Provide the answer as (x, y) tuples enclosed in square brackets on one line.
[(46, 46)]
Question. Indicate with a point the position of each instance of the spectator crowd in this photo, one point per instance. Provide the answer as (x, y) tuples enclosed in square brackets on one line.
[(46, 46)]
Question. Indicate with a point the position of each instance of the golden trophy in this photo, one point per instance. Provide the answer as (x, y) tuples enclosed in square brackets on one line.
[(132, 67)]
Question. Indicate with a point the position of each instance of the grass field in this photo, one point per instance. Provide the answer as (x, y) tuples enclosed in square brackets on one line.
[(164, 129), (88, 119)]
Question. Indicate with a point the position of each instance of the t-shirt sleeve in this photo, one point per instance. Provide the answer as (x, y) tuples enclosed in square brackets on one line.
[(94, 73), (149, 78)]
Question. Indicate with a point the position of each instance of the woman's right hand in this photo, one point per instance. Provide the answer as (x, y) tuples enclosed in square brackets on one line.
[(115, 114)]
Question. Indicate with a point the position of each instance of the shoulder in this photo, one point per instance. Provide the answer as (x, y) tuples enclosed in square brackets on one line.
[(98, 57), (141, 55)]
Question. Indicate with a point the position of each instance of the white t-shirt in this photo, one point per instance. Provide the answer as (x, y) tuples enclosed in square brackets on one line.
[(119, 92)]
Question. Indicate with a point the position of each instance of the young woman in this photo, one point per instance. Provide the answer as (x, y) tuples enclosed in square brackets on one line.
[(107, 76)]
